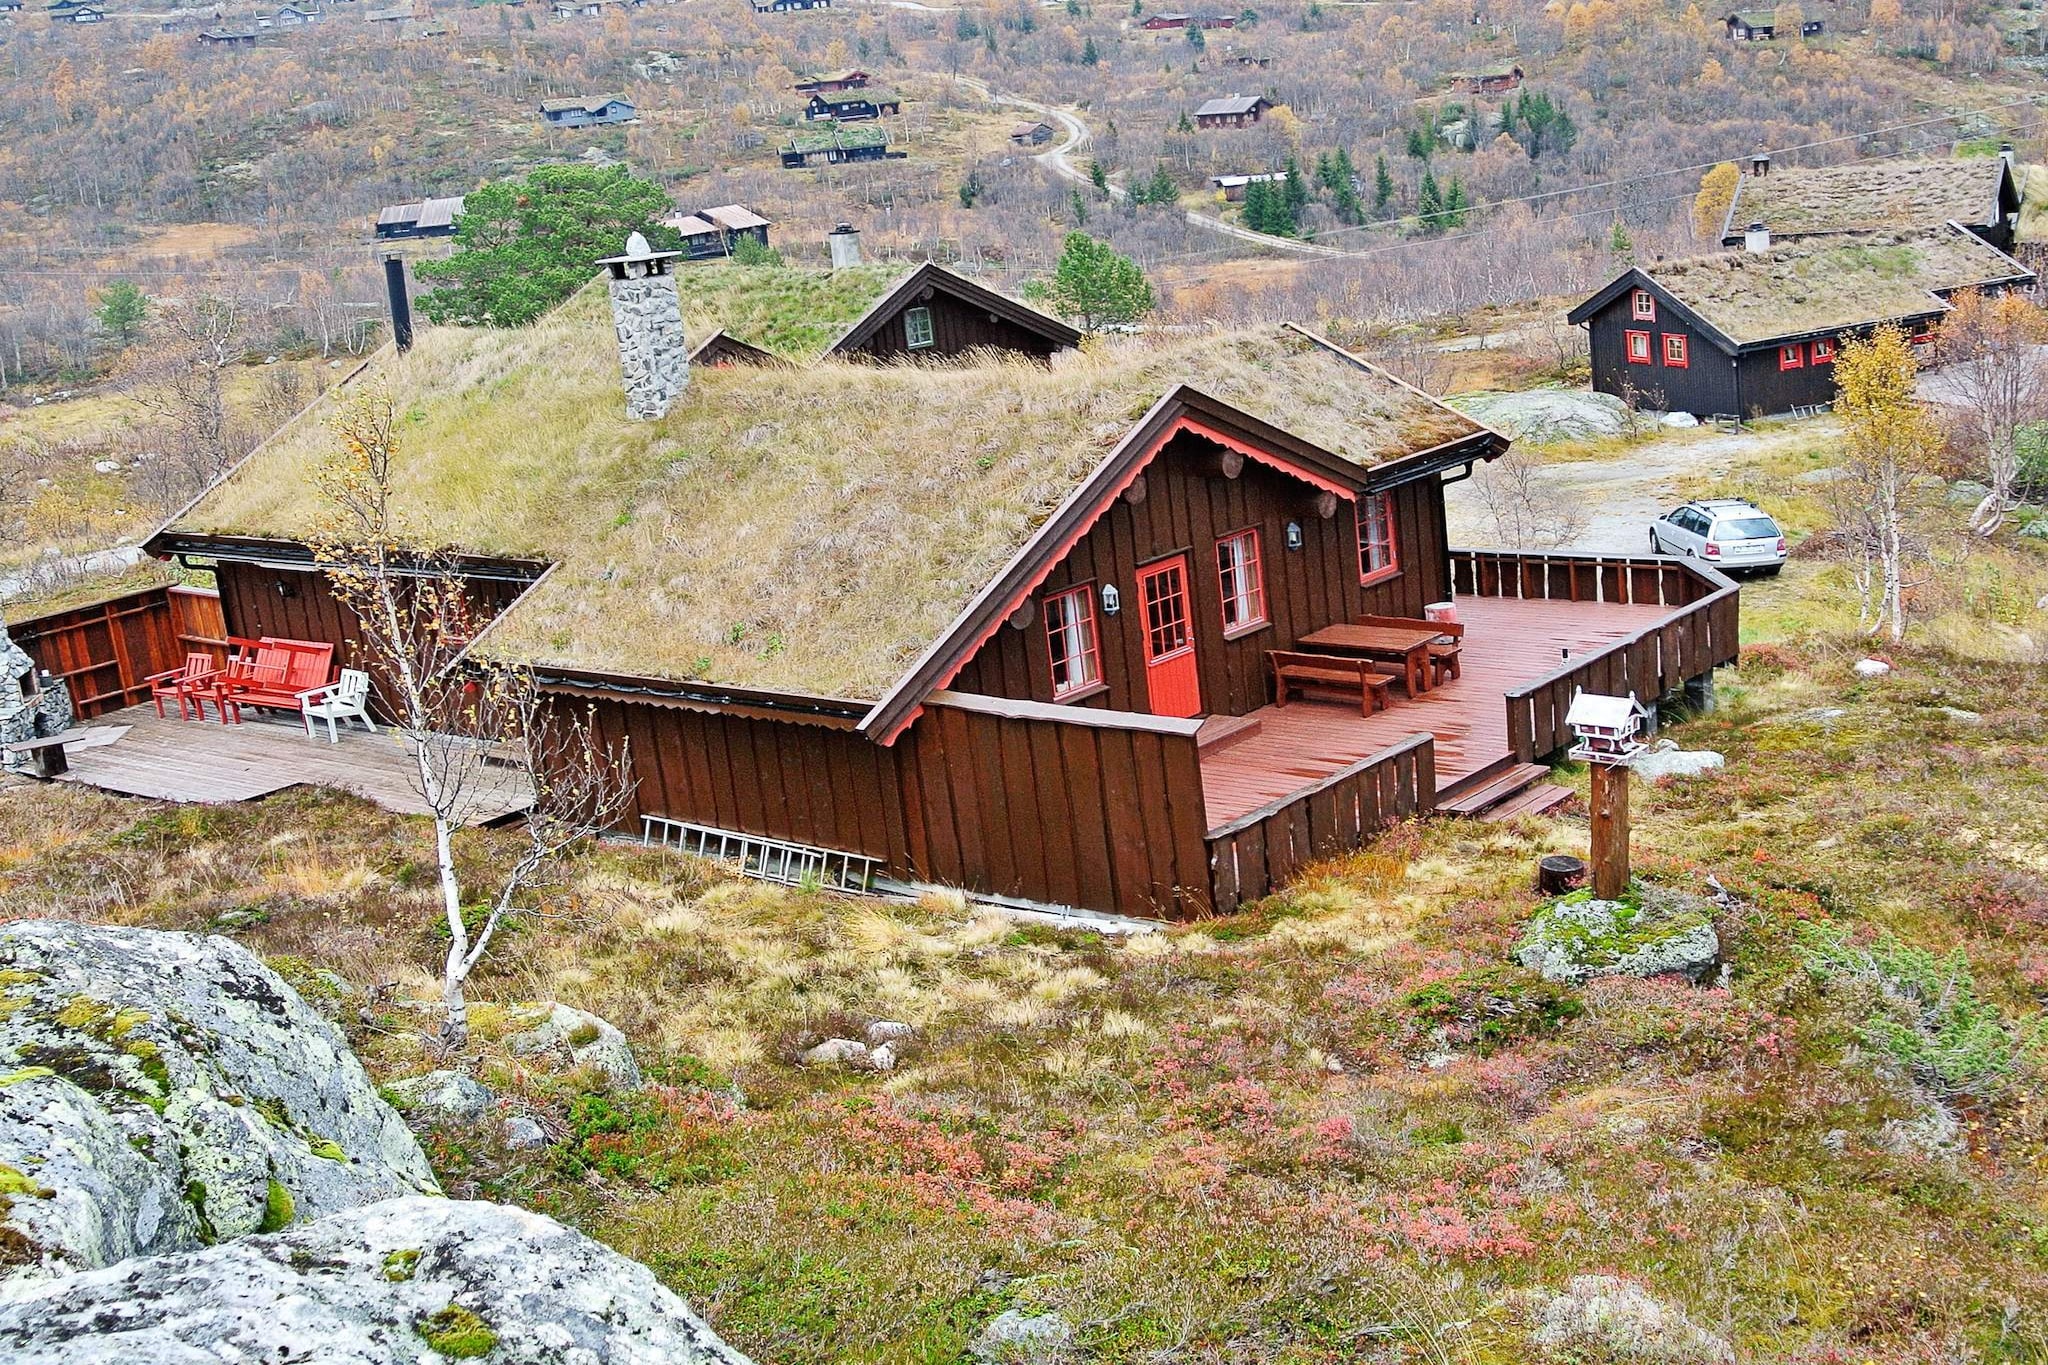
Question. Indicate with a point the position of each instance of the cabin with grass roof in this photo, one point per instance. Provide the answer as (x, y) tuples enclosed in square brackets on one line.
[(1754, 332), (1007, 623), (1805, 201)]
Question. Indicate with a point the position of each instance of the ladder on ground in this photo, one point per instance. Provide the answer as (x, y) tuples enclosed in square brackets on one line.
[(770, 860)]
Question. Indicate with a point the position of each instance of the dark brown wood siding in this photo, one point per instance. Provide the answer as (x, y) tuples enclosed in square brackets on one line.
[(1188, 505), (1706, 386), (956, 327), (105, 651), (991, 796)]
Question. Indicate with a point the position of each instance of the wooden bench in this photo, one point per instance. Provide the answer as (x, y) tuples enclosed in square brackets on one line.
[(1443, 654), (1303, 674), (47, 751), (276, 676)]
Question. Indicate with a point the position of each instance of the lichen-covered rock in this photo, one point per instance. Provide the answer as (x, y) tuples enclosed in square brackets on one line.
[(1665, 759), (405, 1280), (1604, 1317), (576, 1038), (1014, 1337), (441, 1097), (161, 1091), (1652, 933)]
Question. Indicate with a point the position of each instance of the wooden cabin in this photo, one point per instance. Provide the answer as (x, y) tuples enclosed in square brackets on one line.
[(852, 106), (427, 218), (1493, 81), (1233, 187), (714, 233), (827, 82), (1234, 111), (1003, 627), (67, 12), (1754, 332), (1863, 196), (783, 6), (1752, 26), (1160, 23), (587, 111), (1031, 134), (833, 145), (220, 35)]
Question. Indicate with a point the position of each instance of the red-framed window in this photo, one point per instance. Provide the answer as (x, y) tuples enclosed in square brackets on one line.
[(1071, 641), (1675, 352), (1642, 306), (1638, 347), (1791, 357), (1240, 573), (1378, 556), (1821, 352)]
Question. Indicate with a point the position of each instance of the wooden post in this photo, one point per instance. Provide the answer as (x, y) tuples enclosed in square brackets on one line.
[(1610, 830)]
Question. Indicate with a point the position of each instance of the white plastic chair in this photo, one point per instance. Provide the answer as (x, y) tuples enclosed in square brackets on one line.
[(343, 700)]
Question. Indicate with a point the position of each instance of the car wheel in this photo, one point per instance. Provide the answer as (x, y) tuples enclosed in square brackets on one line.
[(1774, 571), (1656, 545)]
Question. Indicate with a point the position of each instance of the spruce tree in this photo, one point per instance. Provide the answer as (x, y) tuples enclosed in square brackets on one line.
[(1429, 202), (1257, 197), (1382, 186), (1089, 56), (1456, 205), (1162, 190), (1294, 194)]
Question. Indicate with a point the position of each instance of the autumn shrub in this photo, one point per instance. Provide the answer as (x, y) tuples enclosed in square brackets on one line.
[(659, 1136), (1493, 1007)]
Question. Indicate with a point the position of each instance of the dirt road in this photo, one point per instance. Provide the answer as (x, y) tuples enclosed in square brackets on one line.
[(1622, 494)]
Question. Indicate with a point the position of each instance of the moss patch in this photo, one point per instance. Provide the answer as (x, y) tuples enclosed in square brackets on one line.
[(457, 1333), (278, 1208), (399, 1265)]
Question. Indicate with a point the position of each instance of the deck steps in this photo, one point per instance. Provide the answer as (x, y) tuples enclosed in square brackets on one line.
[(1533, 800), (1219, 732), (1489, 787)]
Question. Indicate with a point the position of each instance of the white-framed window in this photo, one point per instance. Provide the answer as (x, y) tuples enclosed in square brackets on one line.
[(917, 328), (1070, 641), (1242, 581), (1643, 306)]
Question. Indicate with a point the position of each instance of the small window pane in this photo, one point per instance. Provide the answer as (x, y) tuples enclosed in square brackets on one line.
[(1239, 574), (1376, 549), (1070, 640), (917, 328)]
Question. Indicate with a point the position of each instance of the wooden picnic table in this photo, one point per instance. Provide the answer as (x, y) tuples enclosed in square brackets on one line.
[(1409, 646)]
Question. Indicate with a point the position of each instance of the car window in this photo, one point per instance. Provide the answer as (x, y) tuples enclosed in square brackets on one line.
[(1690, 520), (1746, 528)]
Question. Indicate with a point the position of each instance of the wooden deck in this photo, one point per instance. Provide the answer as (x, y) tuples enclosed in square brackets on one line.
[(207, 763), (1508, 642)]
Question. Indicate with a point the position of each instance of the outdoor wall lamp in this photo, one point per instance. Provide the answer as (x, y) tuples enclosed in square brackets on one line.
[(1294, 535), (1111, 599)]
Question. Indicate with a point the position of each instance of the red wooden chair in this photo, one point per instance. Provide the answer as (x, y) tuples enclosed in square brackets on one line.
[(190, 684)]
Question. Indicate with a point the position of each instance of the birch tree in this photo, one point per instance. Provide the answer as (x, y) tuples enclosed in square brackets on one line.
[(1890, 442), (1996, 371), (479, 734)]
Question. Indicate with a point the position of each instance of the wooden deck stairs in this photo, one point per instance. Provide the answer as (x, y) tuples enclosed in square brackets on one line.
[(1502, 790)]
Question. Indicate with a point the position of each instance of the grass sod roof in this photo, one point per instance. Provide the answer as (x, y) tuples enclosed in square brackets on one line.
[(802, 530), (838, 135), (1867, 196), (1821, 284)]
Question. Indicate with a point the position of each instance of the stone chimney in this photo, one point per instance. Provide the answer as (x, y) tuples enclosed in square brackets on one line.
[(1756, 237), (1760, 163), (844, 244), (654, 357)]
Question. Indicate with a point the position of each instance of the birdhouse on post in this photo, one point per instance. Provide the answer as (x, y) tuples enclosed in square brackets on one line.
[(1608, 731)]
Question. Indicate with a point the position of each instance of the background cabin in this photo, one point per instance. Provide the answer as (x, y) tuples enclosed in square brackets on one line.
[(715, 232), (1496, 81), (1233, 187), (852, 106), (222, 36), (783, 6), (1752, 26), (1031, 134), (1792, 202), (1755, 332), (587, 112), (427, 218), (1234, 111), (835, 144)]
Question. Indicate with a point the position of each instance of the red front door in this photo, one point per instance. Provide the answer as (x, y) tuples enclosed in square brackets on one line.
[(1170, 675)]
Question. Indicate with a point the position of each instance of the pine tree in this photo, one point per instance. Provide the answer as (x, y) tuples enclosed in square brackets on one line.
[(1162, 190), (1326, 171), (1429, 202), (1184, 126), (1098, 176), (1349, 207), (1620, 243), (1347, 173), (1096, 286), (1456, 205), (1078, 207), (1089, 56), (1418, 144), (1258, 197), (1382, 186), (1294, 194)]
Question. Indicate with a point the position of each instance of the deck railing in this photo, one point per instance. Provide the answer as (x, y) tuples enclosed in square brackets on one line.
[(1259, 851), (1699, 635), (105, 650)]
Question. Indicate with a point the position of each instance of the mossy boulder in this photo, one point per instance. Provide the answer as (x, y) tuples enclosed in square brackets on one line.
[(169, 1091), (1650, 931), (404, 1280)]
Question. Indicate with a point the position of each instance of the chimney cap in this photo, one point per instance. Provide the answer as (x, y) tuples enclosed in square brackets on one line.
[(843, 229), (1757, 226), (639, 253)]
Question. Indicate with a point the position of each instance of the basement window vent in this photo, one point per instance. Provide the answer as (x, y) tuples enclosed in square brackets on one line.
[(771, 860)]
